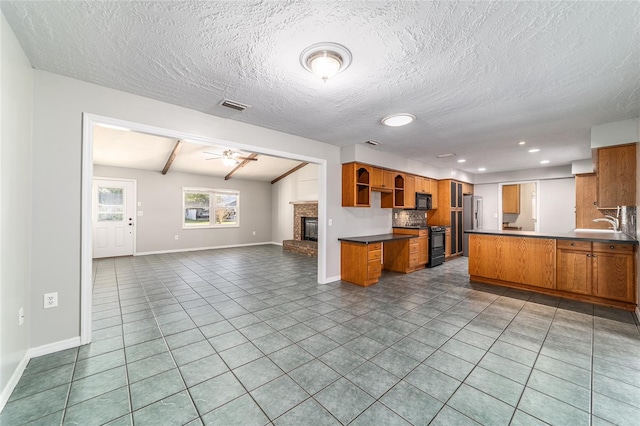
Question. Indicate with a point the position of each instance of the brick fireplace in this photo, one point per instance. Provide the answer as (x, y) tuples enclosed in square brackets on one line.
[(302, 209)]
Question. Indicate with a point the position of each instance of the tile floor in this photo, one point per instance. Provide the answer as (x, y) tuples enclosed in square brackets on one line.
[(246, 336)]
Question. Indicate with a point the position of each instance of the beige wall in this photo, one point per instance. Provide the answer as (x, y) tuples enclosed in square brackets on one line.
[(15, 204), (160, 197)]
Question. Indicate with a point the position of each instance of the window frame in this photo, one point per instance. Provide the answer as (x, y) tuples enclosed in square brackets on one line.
[(212, 192)]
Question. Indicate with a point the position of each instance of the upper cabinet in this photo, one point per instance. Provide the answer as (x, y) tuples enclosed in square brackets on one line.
[(511, 199), (616, 176), (381, 180), (356, 185)]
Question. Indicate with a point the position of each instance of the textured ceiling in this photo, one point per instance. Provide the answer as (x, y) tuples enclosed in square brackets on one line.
[(479, 76), (121, 148)]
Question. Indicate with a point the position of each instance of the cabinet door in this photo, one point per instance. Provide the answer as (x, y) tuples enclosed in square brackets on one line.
[(453, 195), (573, 271), (459, 233), (511, 199), (433, 190), (459, 194), (423, 250), (447, 242), (617, 176), (613, 276), (454, 233), (410, 192), (356, 190)]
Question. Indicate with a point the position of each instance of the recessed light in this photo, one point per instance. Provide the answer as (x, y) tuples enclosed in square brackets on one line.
[(522, 143), (462, 160), (482, 169), (544, 162), (534, 150), (397, 120)]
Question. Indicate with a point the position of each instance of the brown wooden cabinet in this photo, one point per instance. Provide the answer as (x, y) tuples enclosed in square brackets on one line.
[(449, 214), (467, 188), (447, 239), (616, 176), (418, 251), (586, 203), (511, 199), (360, 263), (399, 190), (356, 188), (381, 180), (597, 269), (410, 191)]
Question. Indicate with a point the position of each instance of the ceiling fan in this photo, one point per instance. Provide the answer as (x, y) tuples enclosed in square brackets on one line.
[(229, 157)]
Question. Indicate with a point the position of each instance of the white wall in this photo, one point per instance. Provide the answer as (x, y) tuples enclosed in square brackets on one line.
[(557, 199), (161, 199), (302, 185), (525, 218), (16, 106)]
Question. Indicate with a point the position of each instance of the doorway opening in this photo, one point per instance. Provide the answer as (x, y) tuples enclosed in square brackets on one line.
[(518, 206), (87, 238)]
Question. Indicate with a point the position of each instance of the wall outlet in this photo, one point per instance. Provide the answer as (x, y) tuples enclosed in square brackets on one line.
[(139, 203), (176, 237), (20, 316), (254, 232), (330, 222), (50, 300), (395, 215)]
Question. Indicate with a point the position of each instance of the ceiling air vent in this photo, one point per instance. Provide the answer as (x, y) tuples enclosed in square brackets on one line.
[(227, 103), (372, 142)]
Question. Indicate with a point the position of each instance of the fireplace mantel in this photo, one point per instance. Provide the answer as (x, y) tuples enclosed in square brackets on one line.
[(303, 202)]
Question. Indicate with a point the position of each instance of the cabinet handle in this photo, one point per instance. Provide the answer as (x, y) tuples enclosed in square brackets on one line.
[(612, 247), (573, 244), (588, 255), (593, 255)]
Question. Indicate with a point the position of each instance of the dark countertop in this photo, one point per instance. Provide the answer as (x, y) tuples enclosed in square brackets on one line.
[(412, 227), (368, 239), (604, 237)]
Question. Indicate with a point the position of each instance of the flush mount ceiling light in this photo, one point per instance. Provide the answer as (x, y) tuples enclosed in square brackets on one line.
[(325, 59), (397, 120)]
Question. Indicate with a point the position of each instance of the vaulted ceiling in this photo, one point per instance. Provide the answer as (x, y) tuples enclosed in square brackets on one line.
[(479, 76)]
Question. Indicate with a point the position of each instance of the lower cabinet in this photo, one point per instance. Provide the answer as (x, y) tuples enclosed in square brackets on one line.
[(403, 256), (360, 263), (597, 269), (591, 271)]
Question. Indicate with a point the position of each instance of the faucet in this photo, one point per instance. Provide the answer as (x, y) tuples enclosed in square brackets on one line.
[(615, 223)]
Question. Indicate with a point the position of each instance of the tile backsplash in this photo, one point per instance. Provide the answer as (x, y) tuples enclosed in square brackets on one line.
[(403, 217), (628, 218)]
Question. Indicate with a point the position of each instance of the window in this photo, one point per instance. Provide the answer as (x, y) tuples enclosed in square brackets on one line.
[(110, 204), (210, 208)]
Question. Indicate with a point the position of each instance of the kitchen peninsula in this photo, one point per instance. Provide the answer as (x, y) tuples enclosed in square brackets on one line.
[(594, 267), (362, 258)]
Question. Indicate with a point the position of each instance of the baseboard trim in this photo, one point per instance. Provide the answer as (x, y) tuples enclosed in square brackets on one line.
[(275, 243), (331, 279), (13, 381), (145, 253), (638, 313), (34, 353)]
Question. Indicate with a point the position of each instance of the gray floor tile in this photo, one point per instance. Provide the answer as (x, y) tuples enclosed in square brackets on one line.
[(474, 339), (99, 410), (51, 419), (308, 413), (192, 352), (344, 400), (551, 410), (99, 348), (175, 409), (495, 385), (449, 417), (257, 373), (505, 367), (411, 403), (449, 364), (42, 381), (560, 389), (184, 338), (145, 350), (481, 407), (617, 390), (340, 334), (342, 360), (614, 411), (226, 341), (564, 371), (379, 414), (155, 388), (395, 362), (317, 345), (35, 406), (271, 343), (365, 347), (279, 396), (463, 350), (145, 335), (314, 376), (202, 369), (372, 379), (433, 382), (416, 350), (298, 332), (92, 386), (429, 337), (520, 418), (240, 355), (242, 411), (216, 392)]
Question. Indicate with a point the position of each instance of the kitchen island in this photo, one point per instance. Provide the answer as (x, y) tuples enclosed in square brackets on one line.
[(361, 257), (591, 266)]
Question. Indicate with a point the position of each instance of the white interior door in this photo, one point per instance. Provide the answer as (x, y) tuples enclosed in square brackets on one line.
[(113, 217)]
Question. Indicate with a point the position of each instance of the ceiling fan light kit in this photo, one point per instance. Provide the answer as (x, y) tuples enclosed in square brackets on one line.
[(325, 60)]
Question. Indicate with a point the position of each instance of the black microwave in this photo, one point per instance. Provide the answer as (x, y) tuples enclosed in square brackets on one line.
[(423, 201)]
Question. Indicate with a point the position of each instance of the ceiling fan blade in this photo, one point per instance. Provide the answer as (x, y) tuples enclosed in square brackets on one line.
[(212, 153)]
